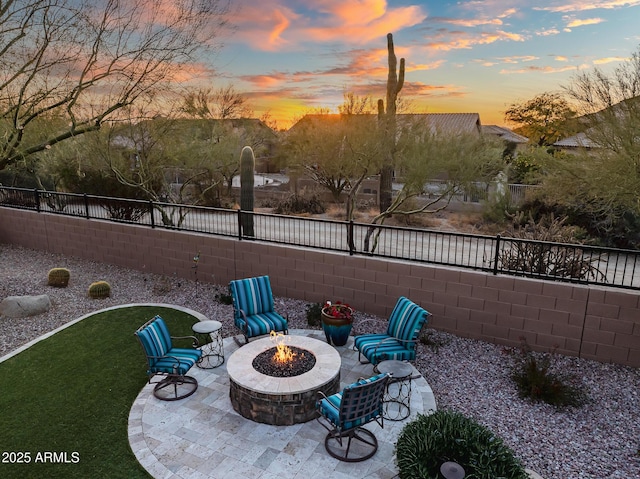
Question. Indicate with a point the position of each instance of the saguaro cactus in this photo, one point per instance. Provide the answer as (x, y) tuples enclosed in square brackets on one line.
[(387, 120), (247, 167)]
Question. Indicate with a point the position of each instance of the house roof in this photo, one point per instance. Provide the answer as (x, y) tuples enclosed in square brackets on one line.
[(504, 134), (581, 140), (451, 123)]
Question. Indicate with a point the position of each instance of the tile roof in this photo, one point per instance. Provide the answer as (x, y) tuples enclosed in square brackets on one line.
[(504, 133)]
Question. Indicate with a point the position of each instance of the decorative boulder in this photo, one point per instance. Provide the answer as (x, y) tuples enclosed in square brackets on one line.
[(23, 306)]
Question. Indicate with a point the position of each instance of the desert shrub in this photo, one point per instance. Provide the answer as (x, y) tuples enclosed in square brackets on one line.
[(296, 204), (224, 298), (314, 314), (538, 256), (535, 379), (430, 440)]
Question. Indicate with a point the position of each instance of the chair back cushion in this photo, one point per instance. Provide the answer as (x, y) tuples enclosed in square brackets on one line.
[(251, 295), (357, 404), (155, 339), (406, 320)]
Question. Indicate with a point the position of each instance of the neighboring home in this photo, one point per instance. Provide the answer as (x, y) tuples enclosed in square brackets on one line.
[(505, 134), (575, 143), (449, 123)]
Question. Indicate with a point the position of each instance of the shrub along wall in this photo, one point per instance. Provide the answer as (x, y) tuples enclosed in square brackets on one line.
[(590, 322)]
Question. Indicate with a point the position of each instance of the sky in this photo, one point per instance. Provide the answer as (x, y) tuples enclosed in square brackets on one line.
[(291, 56)]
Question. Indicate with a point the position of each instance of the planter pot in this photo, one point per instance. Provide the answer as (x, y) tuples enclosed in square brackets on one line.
[(336, 330)]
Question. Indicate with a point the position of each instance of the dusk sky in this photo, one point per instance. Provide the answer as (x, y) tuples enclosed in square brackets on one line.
[(289, 56)]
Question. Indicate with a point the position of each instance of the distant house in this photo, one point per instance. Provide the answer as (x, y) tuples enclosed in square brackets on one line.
[(575, 143), (504, 134), (446, 123)]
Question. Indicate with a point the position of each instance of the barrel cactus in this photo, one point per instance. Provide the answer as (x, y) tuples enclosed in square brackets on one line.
[(247, 167), (99, 289), (59, 277)]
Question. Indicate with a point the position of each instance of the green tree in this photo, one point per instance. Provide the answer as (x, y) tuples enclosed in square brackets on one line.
[(81, 62), (336, 151), (598, 188), (544, 119), (422, 154)]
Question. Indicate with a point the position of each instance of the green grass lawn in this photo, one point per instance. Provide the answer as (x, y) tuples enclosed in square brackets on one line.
[(72, 393)]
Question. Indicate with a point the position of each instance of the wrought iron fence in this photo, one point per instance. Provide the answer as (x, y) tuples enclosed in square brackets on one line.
[(512, 256)]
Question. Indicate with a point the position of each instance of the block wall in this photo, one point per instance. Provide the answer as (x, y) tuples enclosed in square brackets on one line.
[(590, 322)]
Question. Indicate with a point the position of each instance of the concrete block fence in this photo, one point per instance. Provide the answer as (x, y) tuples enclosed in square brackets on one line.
[(596, 323)]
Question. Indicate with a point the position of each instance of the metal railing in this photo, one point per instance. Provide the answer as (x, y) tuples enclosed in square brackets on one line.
[(537, 259)]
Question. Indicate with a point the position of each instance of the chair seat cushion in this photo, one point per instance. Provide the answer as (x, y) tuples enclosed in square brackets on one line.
[(330, 407), (176, 361), (391, 348), (264, 323)]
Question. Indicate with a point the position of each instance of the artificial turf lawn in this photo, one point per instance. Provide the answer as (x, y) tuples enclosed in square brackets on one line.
[(72, 393)]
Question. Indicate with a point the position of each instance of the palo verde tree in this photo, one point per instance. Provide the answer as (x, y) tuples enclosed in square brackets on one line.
[(424, 153), (338, 152), (598, 188), (79, 62)]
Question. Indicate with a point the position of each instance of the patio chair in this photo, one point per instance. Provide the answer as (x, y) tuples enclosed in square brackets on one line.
[(253, 308), (164, 359), (345, 413), (399, 341)]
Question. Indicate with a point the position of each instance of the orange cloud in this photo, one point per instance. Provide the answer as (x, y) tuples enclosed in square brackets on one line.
[(583, 22), (602, 61), (545, 69), (549, 32), (270, 25), (462, 40)]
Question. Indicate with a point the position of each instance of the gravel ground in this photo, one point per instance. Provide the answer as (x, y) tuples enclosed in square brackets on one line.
[(597, 441)]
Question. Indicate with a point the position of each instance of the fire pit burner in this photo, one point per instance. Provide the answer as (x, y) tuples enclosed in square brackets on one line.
[(300, 362)]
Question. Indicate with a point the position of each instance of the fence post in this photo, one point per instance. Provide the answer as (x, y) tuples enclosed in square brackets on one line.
[(153, 220), (496, 256), (240, 224), (352, 247), (37, 199), (86, 207)]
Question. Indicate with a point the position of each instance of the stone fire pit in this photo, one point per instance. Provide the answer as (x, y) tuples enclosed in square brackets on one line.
[(281, 400)]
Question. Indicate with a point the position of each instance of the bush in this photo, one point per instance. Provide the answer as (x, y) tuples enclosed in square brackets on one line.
[(314, 314), (427, 442), (296, 204), (535, 380)]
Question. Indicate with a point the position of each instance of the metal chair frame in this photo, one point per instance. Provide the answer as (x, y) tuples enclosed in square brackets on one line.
[(174, 379), (360, 404)]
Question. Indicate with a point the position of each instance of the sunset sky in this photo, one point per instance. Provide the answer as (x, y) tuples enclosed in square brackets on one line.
[(289, 56)]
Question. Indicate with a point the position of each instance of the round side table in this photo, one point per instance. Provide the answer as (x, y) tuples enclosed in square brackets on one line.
[(213, 352), (397, 399)]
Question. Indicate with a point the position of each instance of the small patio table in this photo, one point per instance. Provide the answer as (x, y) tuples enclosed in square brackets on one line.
[(212, 352), (397, 399)]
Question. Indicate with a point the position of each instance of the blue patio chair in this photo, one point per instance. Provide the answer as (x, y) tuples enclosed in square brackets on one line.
[(253, 308), (399, 341), (168, 361), (345, 413)]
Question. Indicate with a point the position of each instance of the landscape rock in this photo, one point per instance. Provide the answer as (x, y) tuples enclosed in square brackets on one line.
[(23, 306)]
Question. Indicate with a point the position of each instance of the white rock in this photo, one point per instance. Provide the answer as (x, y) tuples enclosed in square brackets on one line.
[(23, 306)]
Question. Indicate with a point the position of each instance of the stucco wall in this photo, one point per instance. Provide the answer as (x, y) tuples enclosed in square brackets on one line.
[(590, 322)]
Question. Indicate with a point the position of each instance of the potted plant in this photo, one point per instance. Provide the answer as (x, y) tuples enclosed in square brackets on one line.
[(337, 321)]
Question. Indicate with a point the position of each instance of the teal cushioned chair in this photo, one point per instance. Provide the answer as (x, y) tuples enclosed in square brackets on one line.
[(345, 413), (166, 360), (253, 307), (399, 341)]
